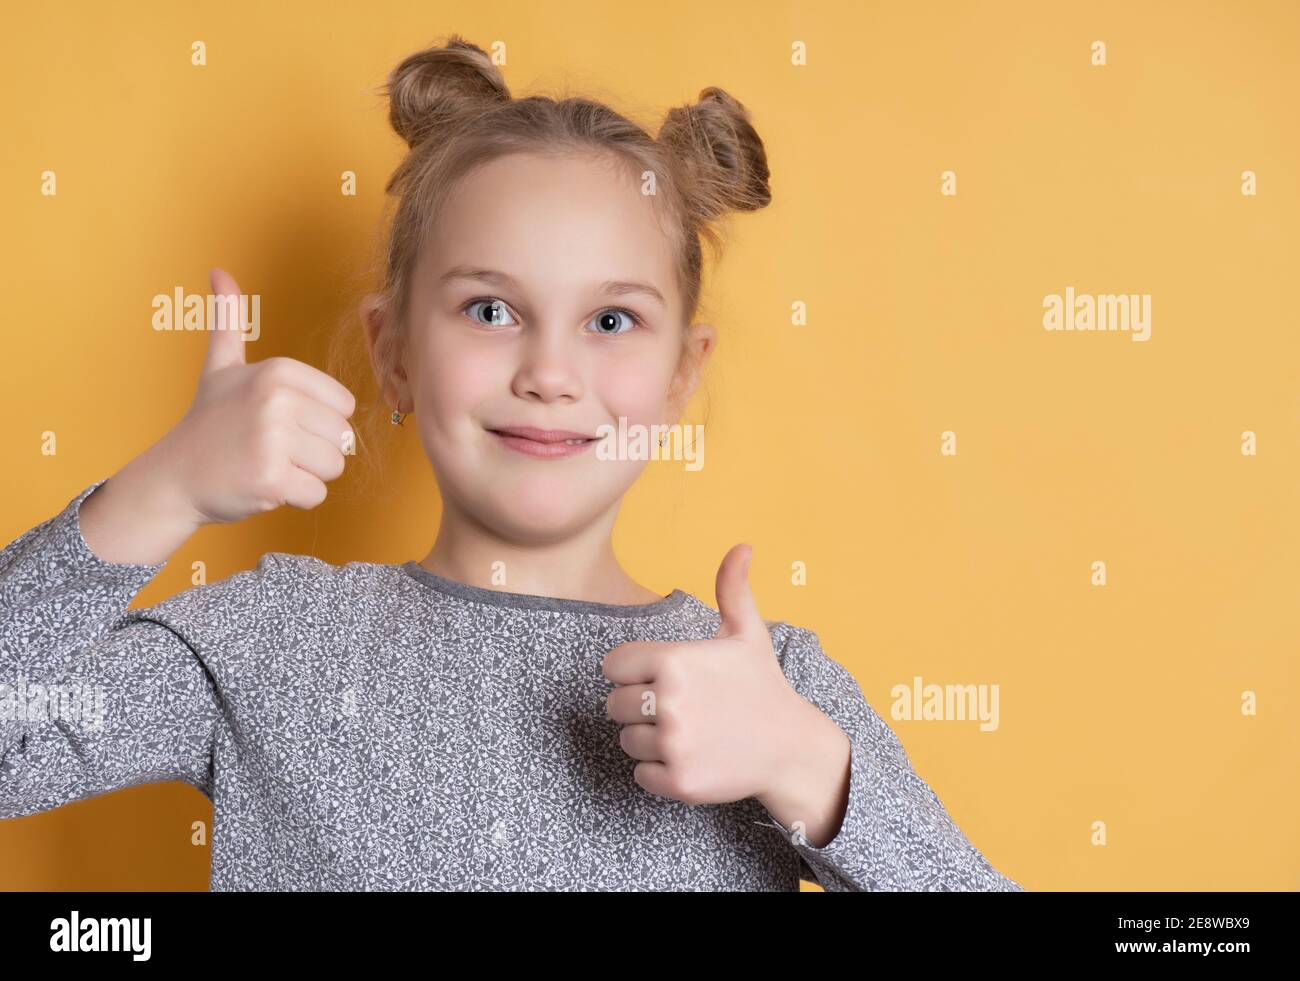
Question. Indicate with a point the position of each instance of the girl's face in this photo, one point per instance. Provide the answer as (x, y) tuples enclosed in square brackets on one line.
[(545, 298)]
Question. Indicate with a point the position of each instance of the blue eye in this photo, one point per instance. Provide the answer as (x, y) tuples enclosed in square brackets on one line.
[(607, 321), (496, 312), (498, 315)]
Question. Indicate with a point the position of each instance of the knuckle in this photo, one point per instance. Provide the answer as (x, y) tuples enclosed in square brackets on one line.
[(670, 666), (268, 487), (265, 476), (670, 740), (275, 373), (277, 365), (276, 403), (269, 447), (686, 789)]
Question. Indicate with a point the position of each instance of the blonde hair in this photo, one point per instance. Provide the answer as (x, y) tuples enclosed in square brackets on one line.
[(452, 107)]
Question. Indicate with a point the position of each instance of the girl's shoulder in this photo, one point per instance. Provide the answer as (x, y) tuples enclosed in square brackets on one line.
[(276, 577), (282, 597)]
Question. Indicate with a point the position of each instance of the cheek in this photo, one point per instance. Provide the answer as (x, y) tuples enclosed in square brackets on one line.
[(631, 389), (456, 377)]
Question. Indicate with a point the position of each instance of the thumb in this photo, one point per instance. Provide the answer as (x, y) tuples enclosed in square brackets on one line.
[(226, 336), (735, 599)]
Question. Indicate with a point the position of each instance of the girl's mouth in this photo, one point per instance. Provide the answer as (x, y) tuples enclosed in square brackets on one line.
[(546, 444)]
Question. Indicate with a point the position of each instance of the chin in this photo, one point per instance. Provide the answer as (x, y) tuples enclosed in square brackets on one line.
[(537, 509), (536, 522)]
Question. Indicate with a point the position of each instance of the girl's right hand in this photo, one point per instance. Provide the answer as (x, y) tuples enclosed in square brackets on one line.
[(257, 436)]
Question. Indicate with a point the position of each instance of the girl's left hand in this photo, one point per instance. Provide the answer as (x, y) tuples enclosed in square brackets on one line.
[(713, 721)]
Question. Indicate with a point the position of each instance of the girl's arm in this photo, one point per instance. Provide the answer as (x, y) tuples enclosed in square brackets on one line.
[(256, 437), (132, 702), (895, 834)]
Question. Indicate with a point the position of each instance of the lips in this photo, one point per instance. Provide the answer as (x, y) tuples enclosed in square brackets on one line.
[(541, 435), (543, 444)]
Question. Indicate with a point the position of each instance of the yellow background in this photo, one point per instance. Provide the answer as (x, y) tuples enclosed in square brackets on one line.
[(1118, 704)]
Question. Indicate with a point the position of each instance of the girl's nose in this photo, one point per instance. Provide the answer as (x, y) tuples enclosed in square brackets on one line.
[(549, 368)]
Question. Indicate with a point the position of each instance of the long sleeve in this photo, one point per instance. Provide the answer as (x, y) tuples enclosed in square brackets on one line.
[(895, 835), (91, 701)]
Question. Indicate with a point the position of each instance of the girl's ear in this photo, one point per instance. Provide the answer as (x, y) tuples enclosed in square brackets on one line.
[(701, 339), (389, 370)]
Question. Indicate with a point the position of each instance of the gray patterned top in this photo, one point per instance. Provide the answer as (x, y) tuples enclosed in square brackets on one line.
[(372, 726)]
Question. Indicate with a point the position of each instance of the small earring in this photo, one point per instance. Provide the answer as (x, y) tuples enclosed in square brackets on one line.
[(397, 417)]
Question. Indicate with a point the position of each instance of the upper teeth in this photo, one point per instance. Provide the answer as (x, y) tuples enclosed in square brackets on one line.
[(575, 441)]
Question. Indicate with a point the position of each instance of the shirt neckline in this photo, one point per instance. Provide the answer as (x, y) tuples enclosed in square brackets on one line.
[(531, 601)]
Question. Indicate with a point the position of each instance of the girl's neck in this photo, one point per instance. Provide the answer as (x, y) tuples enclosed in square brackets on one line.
[(581, 567)]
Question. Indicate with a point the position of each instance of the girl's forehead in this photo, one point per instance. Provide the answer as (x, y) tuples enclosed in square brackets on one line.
[(524, 186), (564, 220)]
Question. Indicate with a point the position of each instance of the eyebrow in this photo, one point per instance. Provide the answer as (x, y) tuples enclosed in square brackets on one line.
[(612, 287)]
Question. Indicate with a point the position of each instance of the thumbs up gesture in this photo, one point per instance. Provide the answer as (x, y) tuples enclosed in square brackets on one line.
[(256, 437), (713, 721)]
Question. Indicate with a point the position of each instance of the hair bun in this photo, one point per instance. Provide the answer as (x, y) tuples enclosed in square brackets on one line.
[(726, 156), (439, 85)]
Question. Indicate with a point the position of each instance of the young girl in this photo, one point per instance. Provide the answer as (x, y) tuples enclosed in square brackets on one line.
[(415, 725)]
